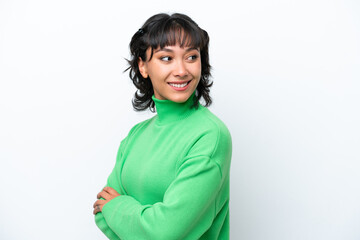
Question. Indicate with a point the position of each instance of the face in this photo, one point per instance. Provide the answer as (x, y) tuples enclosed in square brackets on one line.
[(174, 72)]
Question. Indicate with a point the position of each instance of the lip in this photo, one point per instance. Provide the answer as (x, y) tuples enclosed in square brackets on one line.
[(180, 82)]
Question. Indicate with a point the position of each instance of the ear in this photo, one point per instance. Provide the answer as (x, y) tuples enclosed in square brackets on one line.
[(143, 68)]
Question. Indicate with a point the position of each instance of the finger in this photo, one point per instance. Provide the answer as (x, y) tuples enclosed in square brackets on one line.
[(99, 202), (98, 205), (111, 191), (97, 209), (103, 195)]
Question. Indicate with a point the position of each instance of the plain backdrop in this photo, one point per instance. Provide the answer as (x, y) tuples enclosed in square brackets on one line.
[(286, 83)]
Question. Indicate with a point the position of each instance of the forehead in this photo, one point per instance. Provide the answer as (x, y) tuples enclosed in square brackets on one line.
[(177, 35), (175, 48), (172, 36)]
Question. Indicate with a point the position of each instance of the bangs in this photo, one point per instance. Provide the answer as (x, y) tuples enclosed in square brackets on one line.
[(173, 32)]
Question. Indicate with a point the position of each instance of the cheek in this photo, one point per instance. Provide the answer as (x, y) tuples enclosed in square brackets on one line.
[(197, 69), (157, 72)]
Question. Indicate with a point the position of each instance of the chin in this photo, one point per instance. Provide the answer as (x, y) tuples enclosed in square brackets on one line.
[(180, 98)]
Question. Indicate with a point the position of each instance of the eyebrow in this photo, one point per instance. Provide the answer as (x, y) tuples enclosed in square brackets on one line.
[(169, 50)]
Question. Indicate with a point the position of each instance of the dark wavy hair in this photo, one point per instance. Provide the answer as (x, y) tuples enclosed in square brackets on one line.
[(163, 30)]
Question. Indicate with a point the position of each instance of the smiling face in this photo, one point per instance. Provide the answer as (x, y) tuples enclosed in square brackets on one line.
[(174, 71)]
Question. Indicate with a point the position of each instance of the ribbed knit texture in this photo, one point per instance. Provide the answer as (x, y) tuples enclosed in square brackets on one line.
[(172, 172)]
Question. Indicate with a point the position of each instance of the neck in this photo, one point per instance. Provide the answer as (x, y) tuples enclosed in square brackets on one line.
[(169, 111)]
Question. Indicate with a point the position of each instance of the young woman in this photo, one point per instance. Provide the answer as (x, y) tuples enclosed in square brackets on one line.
[(171, 177)]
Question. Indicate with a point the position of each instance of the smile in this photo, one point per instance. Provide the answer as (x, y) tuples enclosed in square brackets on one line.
[(182, 85)]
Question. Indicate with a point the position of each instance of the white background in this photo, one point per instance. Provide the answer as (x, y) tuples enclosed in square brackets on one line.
[(286, 82)]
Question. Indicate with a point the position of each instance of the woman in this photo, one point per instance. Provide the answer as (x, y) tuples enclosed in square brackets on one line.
[(171, 177)]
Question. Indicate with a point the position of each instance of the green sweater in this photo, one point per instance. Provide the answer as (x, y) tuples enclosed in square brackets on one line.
[(172, 172)]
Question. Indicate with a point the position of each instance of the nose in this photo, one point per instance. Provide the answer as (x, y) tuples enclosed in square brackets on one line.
[(180, 69)]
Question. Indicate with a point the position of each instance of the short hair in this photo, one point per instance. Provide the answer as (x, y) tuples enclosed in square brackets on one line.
[(163, 30)]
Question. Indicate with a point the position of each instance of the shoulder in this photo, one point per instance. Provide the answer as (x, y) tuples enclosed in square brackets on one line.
[(211, 125), (137, 127), (209, 138), (211, 134)]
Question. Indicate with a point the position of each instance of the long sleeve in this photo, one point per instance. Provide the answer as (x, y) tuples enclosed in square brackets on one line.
[(104, 227), (99, 217), (189, 204)]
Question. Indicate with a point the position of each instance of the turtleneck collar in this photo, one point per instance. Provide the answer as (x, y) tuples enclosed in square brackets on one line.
[(169, 111)]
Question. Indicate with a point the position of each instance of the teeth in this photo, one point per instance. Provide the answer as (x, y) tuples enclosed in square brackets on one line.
[(179, 85)]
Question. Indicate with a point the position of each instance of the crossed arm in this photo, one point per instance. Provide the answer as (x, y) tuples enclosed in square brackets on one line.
[(188, 207), (104, 197)]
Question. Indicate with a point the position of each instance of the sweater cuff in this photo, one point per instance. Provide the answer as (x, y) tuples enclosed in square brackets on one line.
[(118, 205), (123, 214), (101, 223)]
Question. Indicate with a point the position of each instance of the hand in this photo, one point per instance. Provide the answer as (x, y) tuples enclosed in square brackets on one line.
[(107, 194)]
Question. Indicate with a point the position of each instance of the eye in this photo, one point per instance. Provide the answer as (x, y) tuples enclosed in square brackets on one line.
[(165, 58), (193, 57)]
